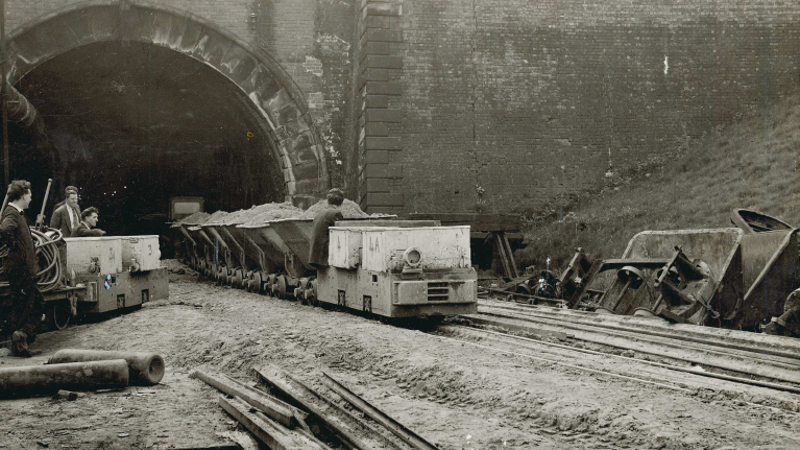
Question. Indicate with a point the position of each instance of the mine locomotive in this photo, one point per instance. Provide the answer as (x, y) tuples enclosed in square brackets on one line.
[(96, 274)]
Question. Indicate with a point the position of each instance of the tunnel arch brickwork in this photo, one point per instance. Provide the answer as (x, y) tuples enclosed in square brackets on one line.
[(297, 144), (496, 105)]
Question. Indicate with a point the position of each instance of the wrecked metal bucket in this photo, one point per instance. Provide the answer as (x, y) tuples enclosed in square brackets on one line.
[(755, 222), (771, 273), (719, 277), (719, 251)]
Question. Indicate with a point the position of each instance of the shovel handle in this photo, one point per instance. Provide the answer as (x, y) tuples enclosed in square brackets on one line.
[(5, 200)]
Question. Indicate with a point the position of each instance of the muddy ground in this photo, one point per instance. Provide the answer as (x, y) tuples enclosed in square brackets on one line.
[(457, 395)]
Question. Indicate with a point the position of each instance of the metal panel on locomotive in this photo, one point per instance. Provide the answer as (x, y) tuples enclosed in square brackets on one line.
[(400, 272), (118, 272)]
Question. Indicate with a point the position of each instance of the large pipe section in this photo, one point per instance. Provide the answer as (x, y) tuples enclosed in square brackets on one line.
[(145, 368), (20, 110), (50, 378)]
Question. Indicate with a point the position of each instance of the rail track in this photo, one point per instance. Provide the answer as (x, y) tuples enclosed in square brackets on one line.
[(679, 357)]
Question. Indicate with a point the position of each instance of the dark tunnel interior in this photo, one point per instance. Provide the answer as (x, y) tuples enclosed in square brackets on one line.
[(132, 125)]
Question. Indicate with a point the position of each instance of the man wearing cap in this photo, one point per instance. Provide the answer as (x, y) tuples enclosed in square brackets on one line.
[(67, 216), (326, 218)]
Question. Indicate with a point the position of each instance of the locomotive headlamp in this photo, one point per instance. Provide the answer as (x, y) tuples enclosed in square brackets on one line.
[(412, 257)]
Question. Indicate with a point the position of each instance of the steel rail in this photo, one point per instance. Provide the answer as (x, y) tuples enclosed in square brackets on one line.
[(652, 363), (400, 430), (341, 410), (346, 436), (790, 374), (572, 366), (587, 316), (711, 347)]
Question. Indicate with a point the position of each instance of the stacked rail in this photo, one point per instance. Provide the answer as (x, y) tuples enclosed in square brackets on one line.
[(740, 357)]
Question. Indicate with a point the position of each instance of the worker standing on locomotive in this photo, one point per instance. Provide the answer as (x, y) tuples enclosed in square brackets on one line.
[(66, 215), (86, 228), (27, 303), (324, 219)]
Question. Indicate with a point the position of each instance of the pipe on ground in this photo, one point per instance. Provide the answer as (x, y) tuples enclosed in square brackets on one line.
[(20, 110), (48, 379), (145, 368)]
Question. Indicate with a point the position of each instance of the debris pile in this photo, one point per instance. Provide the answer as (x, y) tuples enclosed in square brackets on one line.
[(349, 209), (196, 218), (270, 211), (216, 217), (260, 214)]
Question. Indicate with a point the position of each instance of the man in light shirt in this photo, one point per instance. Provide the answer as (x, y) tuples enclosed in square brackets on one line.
[(67, 216)]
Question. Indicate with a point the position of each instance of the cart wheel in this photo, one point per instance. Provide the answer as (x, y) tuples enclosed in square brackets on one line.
[(258, 283), (250, 284), (311, 293), (280, 286), (300, 295), (58, 315), (222, 275), (237, 279)]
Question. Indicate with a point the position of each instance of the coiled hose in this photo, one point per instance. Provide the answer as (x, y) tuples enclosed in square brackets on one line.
[(46, 246)]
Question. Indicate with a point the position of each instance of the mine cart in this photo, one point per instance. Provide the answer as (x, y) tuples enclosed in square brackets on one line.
[(238, 262), (264, 246), (222, 253)]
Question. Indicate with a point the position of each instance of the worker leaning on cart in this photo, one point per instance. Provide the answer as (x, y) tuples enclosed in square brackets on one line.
[(89, 219), (25, 305), (326, 218)]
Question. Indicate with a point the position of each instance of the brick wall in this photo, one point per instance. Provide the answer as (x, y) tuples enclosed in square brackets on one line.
[(528, 101), (465, 105)]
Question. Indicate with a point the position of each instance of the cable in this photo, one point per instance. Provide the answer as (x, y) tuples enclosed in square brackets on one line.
[(47, 253)]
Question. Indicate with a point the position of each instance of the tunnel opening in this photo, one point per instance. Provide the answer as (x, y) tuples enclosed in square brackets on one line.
[(134, 124)]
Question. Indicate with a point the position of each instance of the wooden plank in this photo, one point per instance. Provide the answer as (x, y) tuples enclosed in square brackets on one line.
[(296, 412), (400, 430), (267, 431), (348, 438), (503, 258), (274, 410), (511, 262)]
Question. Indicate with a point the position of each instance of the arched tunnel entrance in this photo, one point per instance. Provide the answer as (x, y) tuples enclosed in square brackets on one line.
[(134, 125), (142, 102)]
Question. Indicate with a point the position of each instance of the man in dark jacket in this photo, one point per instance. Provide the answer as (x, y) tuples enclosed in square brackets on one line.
[(324, 219), (67, 216), (27, 303), (89, 218)]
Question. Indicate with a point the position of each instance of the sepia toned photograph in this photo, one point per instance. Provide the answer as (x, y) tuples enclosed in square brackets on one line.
[(400, 224)]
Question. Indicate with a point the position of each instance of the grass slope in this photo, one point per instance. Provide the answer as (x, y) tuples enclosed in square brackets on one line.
[(752, 164)]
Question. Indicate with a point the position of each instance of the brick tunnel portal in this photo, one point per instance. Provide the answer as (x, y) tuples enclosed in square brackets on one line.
[(134, 124)]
